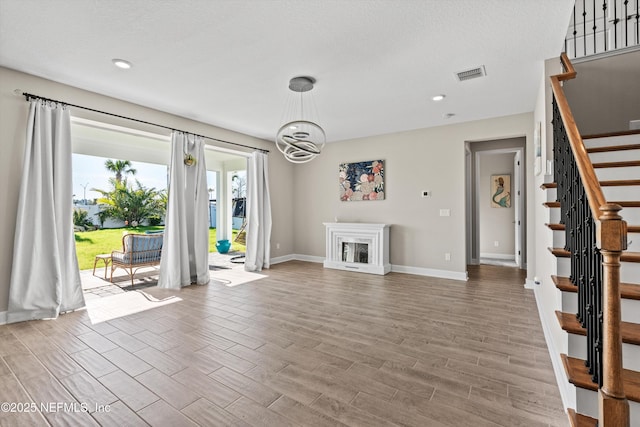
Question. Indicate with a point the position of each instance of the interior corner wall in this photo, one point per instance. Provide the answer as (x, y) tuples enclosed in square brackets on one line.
[(13, 122), (496, 223), (615, 82), (548, 297), (430, 159)]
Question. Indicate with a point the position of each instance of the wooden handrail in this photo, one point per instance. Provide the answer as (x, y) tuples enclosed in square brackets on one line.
[(587, 173), (612, 240)]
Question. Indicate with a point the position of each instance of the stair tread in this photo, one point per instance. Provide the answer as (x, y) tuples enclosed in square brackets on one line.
[(627, 290), (610, 134), (579, 376), (554, 226), (622, 203), (625, 257), (624, 164), (611, 183), (579, 420), (630, 228), (605, 149), (569, 322)]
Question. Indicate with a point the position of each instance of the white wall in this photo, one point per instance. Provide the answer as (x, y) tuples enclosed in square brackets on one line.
[(304, 196), (13, 118), (548, 297), (426, 159), (600, 79), (496, 224)]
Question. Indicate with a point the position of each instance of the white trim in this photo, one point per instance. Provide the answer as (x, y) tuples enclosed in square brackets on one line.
[(3, 317), (297, 257), (567, 390), (309, 258), (284, 258), (166, 137), (529, 284), (431, 272), (208, 146), (520, 199), (508, 257)]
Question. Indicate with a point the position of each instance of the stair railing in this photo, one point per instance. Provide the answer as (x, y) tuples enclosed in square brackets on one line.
[(600, 26), (595, 236)]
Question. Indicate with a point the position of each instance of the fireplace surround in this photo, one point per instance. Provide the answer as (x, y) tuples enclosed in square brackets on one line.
[(355, 246)]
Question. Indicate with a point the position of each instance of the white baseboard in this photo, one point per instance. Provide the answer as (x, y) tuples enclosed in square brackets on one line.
[(279, 259), (297, 257), (529, 284), (567, 390), (309, 258), (431, 272), (3, 317), (498, 256)]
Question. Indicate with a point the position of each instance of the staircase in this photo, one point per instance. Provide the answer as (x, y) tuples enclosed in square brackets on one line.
[(615, 160)]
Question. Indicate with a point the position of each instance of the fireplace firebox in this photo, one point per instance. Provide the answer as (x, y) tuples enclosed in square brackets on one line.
[(357, 247)]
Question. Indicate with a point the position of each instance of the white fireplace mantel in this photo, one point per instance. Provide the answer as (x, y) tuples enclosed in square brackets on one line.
[(356, 246)]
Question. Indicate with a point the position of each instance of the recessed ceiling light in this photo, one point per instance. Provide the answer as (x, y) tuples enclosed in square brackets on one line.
[(121, 63), (438, 97)]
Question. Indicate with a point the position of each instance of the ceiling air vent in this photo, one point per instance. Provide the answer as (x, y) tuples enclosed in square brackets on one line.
[(471, 74)]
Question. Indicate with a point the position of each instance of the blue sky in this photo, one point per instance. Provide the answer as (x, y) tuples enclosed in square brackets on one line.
[(90, 171)]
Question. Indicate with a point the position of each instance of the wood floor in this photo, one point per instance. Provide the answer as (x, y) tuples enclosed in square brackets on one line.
[(303, 346)]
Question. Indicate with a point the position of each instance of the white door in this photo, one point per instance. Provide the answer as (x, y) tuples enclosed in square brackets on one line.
[(517, 184)]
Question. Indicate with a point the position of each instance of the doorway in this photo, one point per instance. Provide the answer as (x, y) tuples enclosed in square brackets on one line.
[(495, 202)]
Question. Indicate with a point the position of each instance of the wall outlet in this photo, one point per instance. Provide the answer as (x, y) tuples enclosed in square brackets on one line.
[(277, 245), (447, 256), (426, 193), (496, 243), (445, 212)]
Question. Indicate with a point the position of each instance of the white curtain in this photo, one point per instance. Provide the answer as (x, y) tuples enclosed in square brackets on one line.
[(185, 250), (258, 213), (45, 280)]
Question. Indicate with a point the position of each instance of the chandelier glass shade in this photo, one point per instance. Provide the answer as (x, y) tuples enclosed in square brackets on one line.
[(300, 141)]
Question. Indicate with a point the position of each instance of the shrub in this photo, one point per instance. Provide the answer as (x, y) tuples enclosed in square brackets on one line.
[(81, 219)]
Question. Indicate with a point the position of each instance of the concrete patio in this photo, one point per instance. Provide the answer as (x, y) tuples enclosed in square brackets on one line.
[(99, 285)]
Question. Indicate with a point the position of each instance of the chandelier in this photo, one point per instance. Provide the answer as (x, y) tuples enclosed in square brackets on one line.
[(300, 140)]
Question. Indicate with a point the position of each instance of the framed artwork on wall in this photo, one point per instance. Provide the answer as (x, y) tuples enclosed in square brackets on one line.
[(537, 149), (361, 180), (501, 191)]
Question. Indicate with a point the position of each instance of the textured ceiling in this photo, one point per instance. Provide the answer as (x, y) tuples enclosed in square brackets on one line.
[(228, 63)]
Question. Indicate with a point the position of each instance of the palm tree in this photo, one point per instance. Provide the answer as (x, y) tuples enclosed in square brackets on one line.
[(120, 168)]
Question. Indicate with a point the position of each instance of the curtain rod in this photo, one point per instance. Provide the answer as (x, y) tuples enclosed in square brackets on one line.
[(29, 96)]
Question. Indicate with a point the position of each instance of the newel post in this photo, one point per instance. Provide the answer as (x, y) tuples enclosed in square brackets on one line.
[(612, 238)]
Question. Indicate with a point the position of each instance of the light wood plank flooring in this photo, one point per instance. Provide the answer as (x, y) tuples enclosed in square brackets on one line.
[(303, 346)]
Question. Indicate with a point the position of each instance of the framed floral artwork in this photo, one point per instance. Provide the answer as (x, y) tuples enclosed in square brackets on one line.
[(361, 181)]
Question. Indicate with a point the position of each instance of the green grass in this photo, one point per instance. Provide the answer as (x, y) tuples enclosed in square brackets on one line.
[(91, 243)]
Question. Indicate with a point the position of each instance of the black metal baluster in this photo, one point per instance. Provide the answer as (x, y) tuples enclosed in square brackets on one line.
[(575, 44), (588, 289), (597, 286), (626, 24), (637, 22), (604, 23), (615, 24), (594, 26), (584, 26), (580, 241)]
